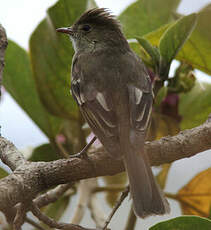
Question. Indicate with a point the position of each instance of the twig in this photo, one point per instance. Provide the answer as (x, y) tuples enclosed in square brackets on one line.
[(33, 223), (63, 151), (131, 222), (110, 188), (52, 195), (88, 145), (83, 152), (119, 202), (84, 194), (96, 210), (19, 217), (52, 223)]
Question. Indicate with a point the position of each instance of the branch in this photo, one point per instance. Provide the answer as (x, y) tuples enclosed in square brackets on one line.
[(131, 222), (3, 46), (52, 223), (117, 205), (30, 178), (186, 144), (52, 195)]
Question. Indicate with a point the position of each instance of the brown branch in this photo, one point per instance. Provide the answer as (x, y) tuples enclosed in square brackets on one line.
[(186, 144), (3, 46), (11, 156), (52, 223), (131, 222), (117, 205), (52, 195), (20, 216), (33, 223), (30, 178)]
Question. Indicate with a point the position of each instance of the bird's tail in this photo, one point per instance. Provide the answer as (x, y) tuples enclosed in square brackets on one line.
[(148, 199)]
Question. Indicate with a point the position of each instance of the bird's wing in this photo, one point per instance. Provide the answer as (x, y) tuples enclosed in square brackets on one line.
[(96, 108), (140, 95), (140, 107), (140, 104)]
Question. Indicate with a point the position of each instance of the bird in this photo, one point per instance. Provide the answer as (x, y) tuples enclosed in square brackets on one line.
[(113, 90)]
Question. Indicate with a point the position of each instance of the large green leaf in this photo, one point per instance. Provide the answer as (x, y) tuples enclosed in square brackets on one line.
[(175, 36), (195, 106), (145, 16), (184, 223), (196, 49), (152, 51), (20, 84), (44, 152), (170, 43), (51, 55)]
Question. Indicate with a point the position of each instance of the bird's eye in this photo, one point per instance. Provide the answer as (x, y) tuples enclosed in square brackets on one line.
[(86, 28)]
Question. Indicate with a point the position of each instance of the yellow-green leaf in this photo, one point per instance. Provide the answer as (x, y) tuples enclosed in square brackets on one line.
[(144, 16), (195, 197), (51, 56), (195, 106), (195, 50), (160, 96), (175, 36), (19, 82), (151, 50), (44, 152)]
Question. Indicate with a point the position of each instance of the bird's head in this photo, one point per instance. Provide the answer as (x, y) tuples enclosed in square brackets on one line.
[(95, 29)]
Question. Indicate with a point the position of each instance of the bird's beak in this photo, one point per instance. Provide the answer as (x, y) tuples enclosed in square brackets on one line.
[(66, 30)]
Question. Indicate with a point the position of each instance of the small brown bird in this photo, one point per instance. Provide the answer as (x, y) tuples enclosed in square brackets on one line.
[(113, 90)]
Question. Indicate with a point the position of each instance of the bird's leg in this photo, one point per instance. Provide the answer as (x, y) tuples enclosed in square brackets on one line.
[(83, 152)]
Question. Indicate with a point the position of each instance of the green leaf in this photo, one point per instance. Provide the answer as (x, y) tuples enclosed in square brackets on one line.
[(175, 36), (44, 152), (162, 93), (198, 102), (140, 51), (184, 223), (145, 16), (20, 84), (154, 36), (195, 50), (152, 51), (51, 56)]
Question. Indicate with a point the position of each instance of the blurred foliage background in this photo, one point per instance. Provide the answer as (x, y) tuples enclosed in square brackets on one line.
[(39, 80)]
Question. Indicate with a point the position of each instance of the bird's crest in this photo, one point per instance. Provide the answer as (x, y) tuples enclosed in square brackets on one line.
[(99, 16)]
